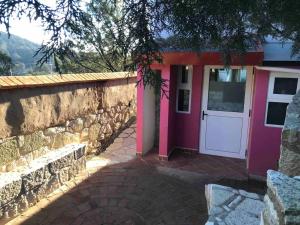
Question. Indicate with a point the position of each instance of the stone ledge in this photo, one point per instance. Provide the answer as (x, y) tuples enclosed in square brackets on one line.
[(19, 190), (282, 200)]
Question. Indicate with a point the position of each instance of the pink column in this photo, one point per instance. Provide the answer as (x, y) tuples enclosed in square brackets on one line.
[(165, 108), (139, 125)]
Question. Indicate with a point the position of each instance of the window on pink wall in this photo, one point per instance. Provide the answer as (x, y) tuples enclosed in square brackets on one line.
[(282, 88), (184, 89)]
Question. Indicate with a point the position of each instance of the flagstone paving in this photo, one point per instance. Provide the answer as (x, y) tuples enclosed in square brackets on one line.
[(118, 188)]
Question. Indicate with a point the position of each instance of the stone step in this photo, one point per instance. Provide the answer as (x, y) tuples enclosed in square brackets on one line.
[(22, 189)]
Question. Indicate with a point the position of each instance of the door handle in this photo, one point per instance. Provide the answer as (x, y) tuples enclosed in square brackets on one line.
[(203, 114)]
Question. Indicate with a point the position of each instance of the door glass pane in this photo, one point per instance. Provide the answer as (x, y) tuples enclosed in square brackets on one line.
[(183, 100), (276, 113), (227, 90), (285, 86)]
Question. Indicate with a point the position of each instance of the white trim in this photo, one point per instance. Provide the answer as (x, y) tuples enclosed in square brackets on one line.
[(280, 98), (278, 69), (187, 86), (244, 115)]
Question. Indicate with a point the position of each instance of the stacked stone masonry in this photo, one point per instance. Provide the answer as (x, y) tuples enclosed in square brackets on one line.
[(35, 121), (27, 185)]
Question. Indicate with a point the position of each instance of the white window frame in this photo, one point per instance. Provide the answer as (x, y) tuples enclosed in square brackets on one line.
[(184, 86), (280, 98)]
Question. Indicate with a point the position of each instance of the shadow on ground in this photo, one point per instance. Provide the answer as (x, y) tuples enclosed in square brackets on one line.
[(120, 189), (130, 193)]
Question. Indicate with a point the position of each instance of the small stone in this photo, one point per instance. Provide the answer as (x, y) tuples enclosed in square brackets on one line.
[(53, 131), (235, 201), (89, 120), (76, 125), (21, 141), (84, 136), (226, 208), (249, 194)]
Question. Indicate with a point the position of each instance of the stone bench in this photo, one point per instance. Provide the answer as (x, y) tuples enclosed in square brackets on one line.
[(22, 189)]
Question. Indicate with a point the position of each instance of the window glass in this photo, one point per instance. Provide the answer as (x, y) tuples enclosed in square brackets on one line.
[(184, 75), (276, 112), (183, 100), (227, 90), (286, 86)]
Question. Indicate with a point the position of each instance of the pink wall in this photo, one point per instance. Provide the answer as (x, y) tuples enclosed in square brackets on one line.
[(165, 131), (187, 126), (264, 142)]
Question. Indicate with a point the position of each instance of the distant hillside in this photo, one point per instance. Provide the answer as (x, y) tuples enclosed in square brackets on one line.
[(22, 53)]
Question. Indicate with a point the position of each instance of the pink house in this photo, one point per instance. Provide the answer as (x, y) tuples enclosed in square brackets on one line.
[(237, 112)]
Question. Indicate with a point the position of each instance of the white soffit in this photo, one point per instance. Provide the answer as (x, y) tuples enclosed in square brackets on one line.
[(278, 69)]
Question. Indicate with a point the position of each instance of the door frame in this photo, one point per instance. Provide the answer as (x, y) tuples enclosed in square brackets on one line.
[(246, 117)]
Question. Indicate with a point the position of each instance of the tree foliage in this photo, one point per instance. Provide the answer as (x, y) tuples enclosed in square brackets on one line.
[(5, 64), (127, 33)]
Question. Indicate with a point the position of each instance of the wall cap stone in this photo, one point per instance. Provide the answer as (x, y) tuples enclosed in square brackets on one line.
[(10, 82)]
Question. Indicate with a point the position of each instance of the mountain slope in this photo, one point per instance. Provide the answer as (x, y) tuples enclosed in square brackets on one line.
[(19, 49)]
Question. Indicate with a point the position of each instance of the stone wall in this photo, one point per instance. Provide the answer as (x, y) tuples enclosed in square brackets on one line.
[(36, 120), (25, 187)]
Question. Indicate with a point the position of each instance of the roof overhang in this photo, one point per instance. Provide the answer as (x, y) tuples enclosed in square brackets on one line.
[(278, 69), (210, 58)]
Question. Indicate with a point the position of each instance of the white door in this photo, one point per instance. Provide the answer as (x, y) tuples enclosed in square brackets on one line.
[(225, 111)]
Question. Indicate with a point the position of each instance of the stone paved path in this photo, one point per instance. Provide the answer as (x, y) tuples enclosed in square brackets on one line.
[(118, 188)]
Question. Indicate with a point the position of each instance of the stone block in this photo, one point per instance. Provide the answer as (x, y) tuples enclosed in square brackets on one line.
[(10, 187), (9, 151), (62, 139), (34, 175), (64, 161), (284, 193), (33, 142)]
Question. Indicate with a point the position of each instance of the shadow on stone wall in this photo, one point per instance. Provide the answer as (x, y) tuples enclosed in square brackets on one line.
[(15, 116)]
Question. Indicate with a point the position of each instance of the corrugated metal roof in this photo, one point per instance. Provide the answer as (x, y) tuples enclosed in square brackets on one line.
[(8, 82)]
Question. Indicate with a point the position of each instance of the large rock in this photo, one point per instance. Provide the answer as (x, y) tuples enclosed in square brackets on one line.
[(290, 141)]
